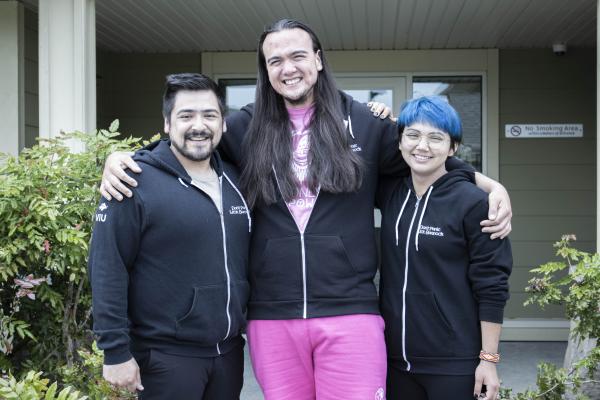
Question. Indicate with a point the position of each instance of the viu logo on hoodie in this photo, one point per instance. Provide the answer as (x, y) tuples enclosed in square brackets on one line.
[(101, 217)]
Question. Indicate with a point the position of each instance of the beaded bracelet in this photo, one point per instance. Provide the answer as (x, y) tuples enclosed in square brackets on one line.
[(489, 357)]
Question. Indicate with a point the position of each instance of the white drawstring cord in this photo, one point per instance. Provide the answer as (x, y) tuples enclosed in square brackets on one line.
[(421, 218), (400, 214)]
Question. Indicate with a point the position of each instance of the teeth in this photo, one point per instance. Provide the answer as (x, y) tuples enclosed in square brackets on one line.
[(421, 157), (291, 81)]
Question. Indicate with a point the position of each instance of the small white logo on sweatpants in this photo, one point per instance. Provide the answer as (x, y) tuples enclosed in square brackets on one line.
[(380, 394)]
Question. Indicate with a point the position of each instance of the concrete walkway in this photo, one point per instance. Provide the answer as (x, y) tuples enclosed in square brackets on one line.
[(517, 369)]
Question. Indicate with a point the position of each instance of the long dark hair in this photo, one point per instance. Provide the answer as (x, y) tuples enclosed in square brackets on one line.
[(268, 143)]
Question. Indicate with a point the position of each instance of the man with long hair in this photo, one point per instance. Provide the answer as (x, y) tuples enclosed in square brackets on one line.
[(311, 157)]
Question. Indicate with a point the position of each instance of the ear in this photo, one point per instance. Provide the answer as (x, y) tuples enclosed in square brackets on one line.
[(453, 150), (318, 60), (224, 126), (167, 126)]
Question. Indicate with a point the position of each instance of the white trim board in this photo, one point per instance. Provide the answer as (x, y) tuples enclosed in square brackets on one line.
[(537, 330)]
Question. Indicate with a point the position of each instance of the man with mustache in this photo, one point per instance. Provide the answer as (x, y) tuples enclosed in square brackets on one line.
[(168, 266)]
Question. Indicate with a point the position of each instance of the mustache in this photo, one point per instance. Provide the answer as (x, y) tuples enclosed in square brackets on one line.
[(199, 135)]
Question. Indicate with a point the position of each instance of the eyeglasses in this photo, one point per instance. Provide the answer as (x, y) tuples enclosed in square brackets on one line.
[(433, 139)]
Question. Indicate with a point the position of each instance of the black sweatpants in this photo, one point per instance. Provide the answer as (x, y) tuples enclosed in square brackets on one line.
[(402, 385), (167, 376)]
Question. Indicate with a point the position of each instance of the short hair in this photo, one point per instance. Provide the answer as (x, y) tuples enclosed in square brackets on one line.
[(432, 110), (188, 81)]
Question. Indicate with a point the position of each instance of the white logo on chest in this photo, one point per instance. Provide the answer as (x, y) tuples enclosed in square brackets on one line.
[(237, 210), (431, 231)]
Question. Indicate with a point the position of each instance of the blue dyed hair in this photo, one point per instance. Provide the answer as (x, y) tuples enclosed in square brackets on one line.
[(432, 110)]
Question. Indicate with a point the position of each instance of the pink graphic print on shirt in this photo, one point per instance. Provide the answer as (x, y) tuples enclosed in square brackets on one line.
[(302, 205)]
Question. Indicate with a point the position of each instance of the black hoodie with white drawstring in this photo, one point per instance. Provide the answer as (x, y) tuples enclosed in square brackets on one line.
[(440, 274), (168, 270), (328, 269)]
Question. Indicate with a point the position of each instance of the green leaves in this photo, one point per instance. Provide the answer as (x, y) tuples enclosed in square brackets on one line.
[(575, 283), (47, 198), (579, 290), (114, 126), (34, 387)]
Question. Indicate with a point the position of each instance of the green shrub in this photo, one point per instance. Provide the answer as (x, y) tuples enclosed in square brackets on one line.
[(34, 387), (579, 291), (47, 198), (86, 376)]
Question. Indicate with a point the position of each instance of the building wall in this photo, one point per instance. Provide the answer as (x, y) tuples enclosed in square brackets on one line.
[(31, 78), (130, 88), (551, 181)]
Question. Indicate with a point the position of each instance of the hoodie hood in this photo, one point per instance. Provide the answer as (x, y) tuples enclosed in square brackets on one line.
[(160, 155), (346, 110)]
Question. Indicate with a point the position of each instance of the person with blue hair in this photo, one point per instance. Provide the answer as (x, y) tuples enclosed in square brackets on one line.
[(444, 283)]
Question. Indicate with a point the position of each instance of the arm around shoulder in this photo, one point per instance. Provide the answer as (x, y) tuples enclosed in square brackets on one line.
[(237, 123)]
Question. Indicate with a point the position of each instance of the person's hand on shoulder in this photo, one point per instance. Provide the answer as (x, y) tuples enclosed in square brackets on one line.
[(114, 177), (380, 110), (498, 224)]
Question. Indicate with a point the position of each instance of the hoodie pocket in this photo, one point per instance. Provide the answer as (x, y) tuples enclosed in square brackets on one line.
[(330, 274), (277, 274), (429, 333), (205, 323)]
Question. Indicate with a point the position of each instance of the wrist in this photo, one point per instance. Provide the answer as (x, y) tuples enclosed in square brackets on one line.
[(490, 358)]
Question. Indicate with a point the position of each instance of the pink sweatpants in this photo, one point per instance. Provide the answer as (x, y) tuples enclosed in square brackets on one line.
[(328, 358)]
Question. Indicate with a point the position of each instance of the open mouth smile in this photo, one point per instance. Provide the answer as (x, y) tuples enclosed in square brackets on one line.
[(290, 82), (421, 157)]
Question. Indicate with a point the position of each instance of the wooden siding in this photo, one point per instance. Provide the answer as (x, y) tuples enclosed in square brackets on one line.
[(551, 181)]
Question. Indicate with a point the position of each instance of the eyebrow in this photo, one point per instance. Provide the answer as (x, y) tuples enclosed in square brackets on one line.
[(193, 110), (292, 54), (428, 133)]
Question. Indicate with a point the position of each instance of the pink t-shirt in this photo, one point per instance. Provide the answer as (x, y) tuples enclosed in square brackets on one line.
[(302, 205)]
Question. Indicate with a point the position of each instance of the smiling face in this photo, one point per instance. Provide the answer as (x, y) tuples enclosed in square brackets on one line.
[(195, 125), (425, 150), (292, 65)]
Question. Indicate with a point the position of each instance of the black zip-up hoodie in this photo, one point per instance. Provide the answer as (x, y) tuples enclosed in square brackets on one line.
[(329, 269), (440, 274), (168, 270)]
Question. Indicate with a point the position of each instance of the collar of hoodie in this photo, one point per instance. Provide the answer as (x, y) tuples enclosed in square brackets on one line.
[(408, 193)]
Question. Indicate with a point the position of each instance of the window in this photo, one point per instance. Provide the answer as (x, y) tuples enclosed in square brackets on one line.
[(464, 93), (238, 92), (389, 90)]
